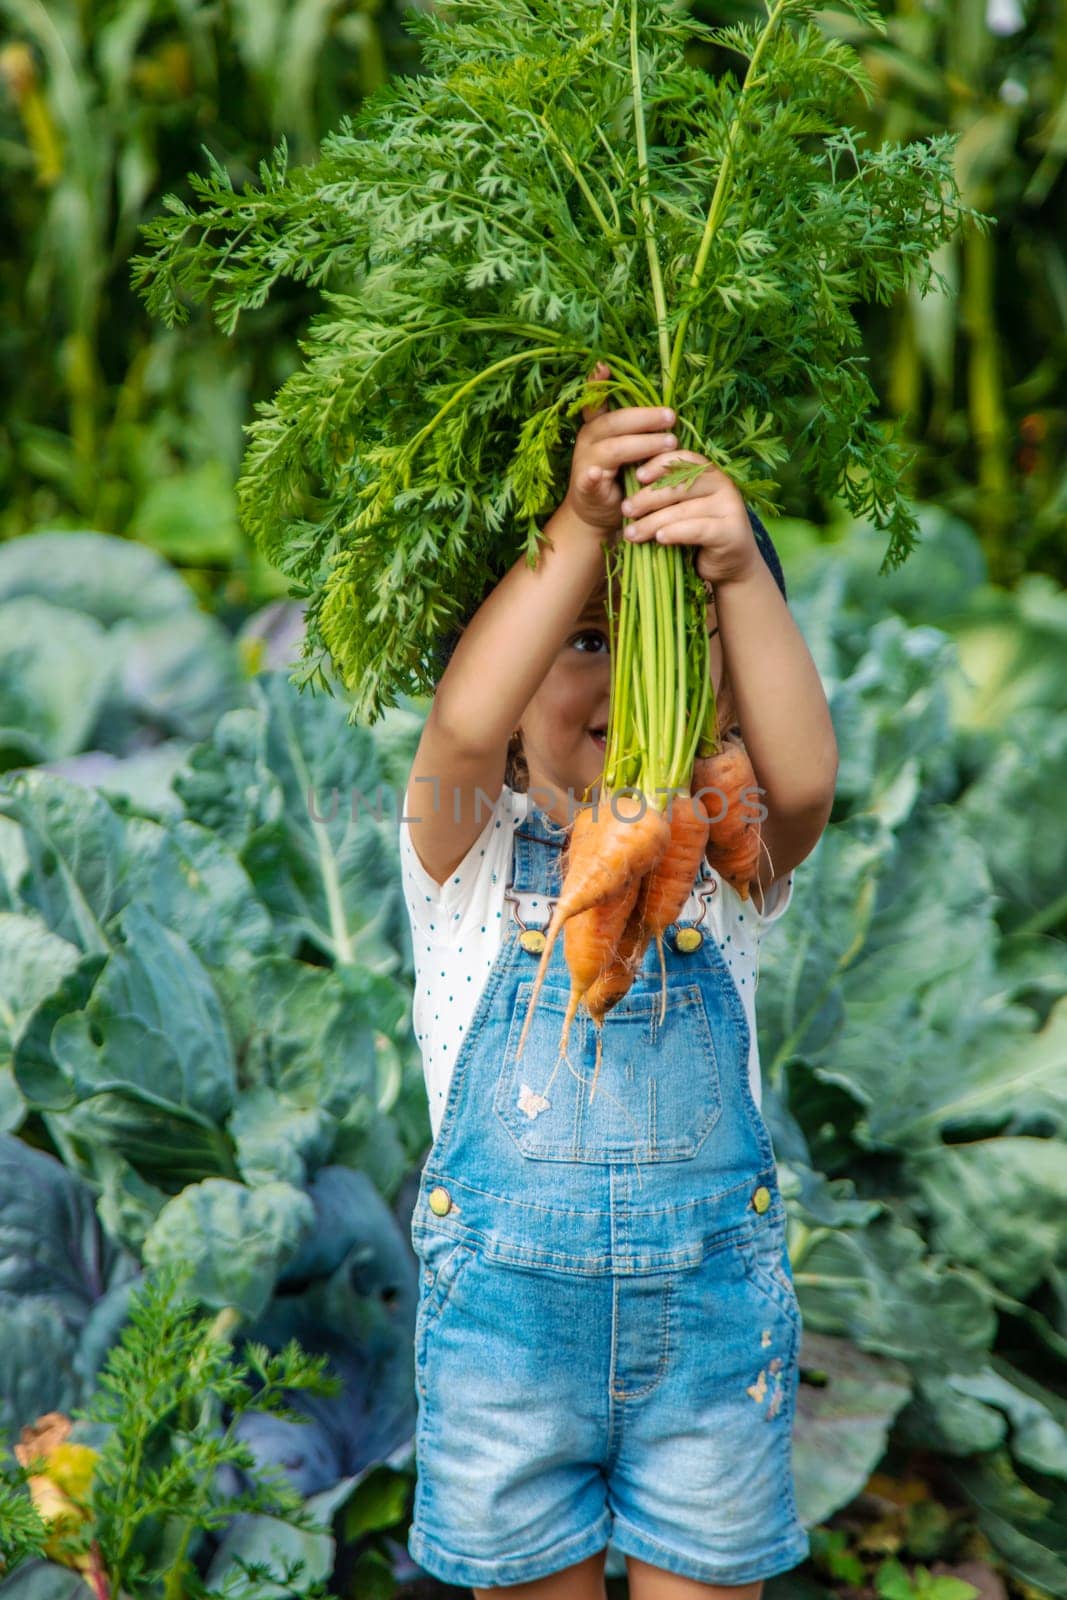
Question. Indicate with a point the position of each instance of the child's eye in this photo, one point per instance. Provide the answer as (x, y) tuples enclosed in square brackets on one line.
[(592, 633)]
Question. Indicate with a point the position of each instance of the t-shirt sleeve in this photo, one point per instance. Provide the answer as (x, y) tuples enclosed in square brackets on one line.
[(439, 911), (776, 903)]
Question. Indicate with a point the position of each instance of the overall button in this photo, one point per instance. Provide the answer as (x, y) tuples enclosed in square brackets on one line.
[(440, 1202), (688, 939), (761, 1199), (532, 939)]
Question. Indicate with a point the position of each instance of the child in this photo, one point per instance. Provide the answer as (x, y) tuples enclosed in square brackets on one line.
[(607, 1331)]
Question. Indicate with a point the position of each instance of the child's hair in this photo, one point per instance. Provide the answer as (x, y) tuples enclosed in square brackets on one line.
[(516, 774)]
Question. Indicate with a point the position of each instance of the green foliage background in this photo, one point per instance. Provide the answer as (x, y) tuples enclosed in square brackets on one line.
[(107, 419), (977, 375), (103, 110), (207, 1061)]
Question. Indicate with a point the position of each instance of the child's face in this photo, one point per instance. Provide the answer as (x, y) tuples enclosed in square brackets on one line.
[(574, 698)]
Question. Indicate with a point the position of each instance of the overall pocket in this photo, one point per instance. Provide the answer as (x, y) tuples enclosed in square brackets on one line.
[(765, 1257), (442, 1258), (658, 1092)]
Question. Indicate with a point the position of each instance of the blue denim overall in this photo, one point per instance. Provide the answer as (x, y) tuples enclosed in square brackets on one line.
[(607, 1330)]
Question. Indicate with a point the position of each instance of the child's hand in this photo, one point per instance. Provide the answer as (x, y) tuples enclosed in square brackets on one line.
[(608, 441), (708, 512)]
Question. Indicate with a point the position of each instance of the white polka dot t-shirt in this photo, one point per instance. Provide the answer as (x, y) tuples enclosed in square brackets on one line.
[(457, 930)]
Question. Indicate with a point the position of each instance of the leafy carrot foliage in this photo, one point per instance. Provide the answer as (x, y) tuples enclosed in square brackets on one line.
[(558, 186)]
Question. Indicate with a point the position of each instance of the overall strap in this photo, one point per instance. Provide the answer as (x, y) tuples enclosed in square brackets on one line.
[(537, 865)]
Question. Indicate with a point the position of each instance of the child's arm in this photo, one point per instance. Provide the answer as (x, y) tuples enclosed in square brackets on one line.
[(783, 715), (502, 656), (781, 709), (506, 649)]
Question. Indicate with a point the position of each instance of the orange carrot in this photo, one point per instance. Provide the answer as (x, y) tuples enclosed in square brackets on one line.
[(655, 904), (734, 839), (670, 882), (611, 844), (617, 978), (591, 939), (661, 895)]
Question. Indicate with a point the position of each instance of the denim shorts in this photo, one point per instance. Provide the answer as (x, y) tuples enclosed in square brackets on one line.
[(558, 1411)]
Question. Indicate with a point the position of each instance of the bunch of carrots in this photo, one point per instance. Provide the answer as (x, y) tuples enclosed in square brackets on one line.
[(669, 782), (671, 785)]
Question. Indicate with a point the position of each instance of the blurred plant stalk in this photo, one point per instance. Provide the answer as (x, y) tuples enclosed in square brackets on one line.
[(979, 372)]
